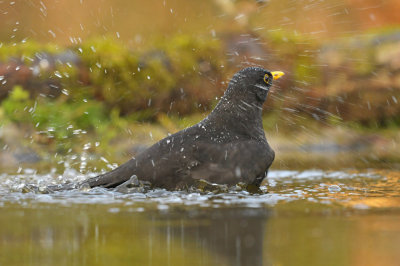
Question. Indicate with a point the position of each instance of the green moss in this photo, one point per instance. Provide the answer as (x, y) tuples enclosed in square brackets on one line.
[(142, 81), (26, 51), (17, 105), (57, 120)]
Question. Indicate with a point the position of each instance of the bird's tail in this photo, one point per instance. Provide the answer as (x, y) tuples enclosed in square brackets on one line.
[(113, 178)]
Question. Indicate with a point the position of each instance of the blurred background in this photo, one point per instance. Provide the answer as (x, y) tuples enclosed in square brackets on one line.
[(87, 84)]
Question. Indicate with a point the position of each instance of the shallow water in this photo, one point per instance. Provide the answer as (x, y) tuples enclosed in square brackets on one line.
[(309, 217)]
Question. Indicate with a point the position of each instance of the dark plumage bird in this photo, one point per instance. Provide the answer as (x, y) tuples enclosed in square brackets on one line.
[(227, 147)]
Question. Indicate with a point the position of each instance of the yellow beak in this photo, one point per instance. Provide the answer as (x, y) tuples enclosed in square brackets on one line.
[(277, 74)]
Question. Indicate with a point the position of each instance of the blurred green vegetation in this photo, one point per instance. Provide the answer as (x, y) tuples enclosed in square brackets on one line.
[(102, 89), (103, 86), (145, 82)]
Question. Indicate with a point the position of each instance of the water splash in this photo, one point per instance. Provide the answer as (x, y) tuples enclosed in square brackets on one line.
[(337, 188)]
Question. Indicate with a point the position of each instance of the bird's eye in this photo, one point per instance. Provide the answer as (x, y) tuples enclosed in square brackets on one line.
[(267, 78)]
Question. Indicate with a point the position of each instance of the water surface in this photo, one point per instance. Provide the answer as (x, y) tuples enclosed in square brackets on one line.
[(309, 217)]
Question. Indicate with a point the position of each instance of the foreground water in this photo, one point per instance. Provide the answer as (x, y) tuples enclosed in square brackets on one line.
[(306, 218)]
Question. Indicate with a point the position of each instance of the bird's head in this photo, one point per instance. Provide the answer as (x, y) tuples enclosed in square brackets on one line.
[(252, 84)]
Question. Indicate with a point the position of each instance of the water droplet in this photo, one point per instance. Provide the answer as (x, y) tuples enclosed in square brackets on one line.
[(57, 74), (113, 210), (52, 33), (238, 172), (44, 64), (334, 188), (87, 146)]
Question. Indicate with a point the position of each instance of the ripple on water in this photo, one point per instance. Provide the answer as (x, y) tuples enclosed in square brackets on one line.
[(359, 190)]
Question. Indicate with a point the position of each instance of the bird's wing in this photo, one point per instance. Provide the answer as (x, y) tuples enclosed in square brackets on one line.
[(230, 163)]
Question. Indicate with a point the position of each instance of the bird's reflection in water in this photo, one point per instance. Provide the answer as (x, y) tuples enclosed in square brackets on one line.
[(229, 236)]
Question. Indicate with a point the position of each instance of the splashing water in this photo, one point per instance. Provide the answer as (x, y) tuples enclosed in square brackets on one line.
[(362, 190)]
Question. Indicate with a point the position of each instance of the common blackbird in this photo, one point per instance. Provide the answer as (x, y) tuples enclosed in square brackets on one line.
[(227, 147)]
